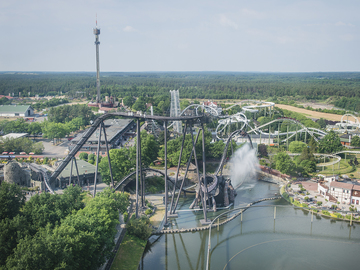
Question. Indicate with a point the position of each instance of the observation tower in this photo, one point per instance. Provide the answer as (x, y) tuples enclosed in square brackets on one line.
[(97, 43)]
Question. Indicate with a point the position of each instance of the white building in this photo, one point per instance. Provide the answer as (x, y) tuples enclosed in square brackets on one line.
[(355, 196), (341, 191), (16, 110)]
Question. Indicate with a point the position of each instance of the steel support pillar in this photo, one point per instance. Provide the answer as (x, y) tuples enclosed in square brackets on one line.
[(97, 160), (205, 221), (172, 212), (166, 224), (108, 155), (72, 161), (186, 171), (77, 171), (198, 174), (137, 168)]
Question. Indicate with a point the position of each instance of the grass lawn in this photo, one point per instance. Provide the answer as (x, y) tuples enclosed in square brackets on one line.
[(129, 253), (345, 168)]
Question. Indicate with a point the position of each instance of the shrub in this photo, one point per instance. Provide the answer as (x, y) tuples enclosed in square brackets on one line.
[(139, 227), (150, 205), (334, 206), (306, 198), (83, 156), (326, 213), (148, 211), (338, 215), (304, 205), (319, 203), (126, 216)]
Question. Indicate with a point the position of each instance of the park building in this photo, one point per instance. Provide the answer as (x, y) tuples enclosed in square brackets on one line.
[(86, 174), (16, 111), (341, 192), (117, 133)]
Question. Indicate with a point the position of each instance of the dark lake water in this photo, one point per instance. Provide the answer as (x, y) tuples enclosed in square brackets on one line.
[(291, 241)]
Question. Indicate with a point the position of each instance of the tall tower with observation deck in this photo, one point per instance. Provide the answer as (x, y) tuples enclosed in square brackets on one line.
[(97, 43)]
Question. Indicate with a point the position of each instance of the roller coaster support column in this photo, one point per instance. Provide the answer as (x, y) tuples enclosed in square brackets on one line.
[(186, 171), (279, 135), (172, 212), (166, 224), (205, 221), (137, 168), (198, 174), (142, 184), (108, 155), (72, 161), (77, 172), (97, 160), (287, 138)]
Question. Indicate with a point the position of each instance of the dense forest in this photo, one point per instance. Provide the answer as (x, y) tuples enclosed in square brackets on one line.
[(344, 87)]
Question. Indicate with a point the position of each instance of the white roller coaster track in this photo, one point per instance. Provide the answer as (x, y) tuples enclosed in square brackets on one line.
[(252, 108), (212, 111)]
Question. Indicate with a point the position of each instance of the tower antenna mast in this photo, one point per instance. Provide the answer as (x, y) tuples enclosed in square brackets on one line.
[(97, 43)]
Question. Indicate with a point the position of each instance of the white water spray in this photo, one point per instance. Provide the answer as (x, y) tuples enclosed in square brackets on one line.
[(244, 165)]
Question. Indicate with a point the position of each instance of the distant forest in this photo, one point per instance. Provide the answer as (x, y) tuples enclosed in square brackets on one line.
[(343, 88)]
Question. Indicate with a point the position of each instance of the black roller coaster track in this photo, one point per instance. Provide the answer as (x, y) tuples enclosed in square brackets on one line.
[(127, 179), (97, 123), (223, 158)]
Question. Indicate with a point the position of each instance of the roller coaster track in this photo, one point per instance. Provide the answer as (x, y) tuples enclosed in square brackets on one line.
[(127, 179), (250, 108), (211, 110), (222, 161), (304, 128), (96, 124)]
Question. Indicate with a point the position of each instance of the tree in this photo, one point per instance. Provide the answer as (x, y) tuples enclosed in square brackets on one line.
[(52, 130), (355, 141), (330, 143), (122, 162), (139, 105), (128, 101), (38, 148), (34, 128), (284, 163), (84, 156), (297, 146), (149, 148), (262, 150), (11, 200), (322, 122), (313, 145)]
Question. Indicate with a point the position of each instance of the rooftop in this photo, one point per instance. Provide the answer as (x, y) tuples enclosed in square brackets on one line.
[(14, 108), (341, 185), (83, 166), (13, 136)]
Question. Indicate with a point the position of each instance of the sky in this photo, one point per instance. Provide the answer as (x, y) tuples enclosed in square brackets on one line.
[(186, 35)]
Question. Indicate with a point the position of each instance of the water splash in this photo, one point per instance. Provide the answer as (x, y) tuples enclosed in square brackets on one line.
[(244, 165)]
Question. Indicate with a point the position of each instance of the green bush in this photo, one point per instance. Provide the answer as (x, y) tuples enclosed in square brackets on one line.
[(148, 211), (126, 216), (139, 227), (326, 213), (338, 215), (83, 156), (306, 198), (319, 203), (304, 205)]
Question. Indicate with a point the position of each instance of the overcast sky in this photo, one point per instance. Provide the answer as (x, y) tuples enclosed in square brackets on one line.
[(166, 35)]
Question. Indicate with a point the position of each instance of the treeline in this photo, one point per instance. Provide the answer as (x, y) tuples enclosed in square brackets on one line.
[(57, 231), (194, 85)]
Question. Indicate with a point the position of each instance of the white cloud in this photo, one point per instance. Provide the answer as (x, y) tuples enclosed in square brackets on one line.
[(226, 22), (129, 29), (344, 24)]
